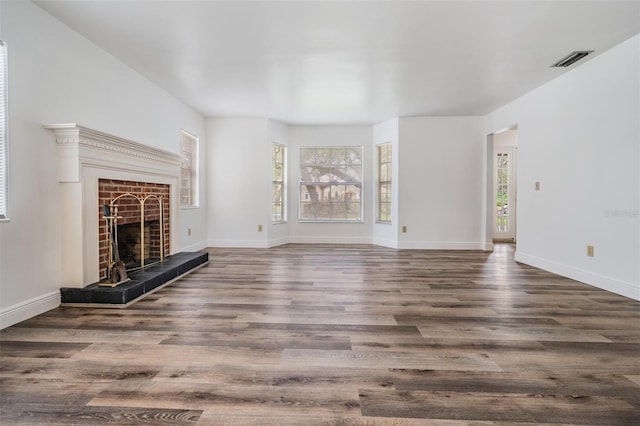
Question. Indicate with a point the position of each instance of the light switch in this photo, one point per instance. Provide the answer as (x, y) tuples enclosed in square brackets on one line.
[(537, 185)]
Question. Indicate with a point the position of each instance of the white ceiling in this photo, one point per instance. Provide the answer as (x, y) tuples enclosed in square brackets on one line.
[(338, 62)]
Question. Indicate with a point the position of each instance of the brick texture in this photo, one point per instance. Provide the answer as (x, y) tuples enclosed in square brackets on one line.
[(129, 209)]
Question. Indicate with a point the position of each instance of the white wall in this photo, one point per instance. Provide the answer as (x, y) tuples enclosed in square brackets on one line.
[(579, 136), (57, 76), (239, 181), (386, 234), (440, 182), (301, 232)]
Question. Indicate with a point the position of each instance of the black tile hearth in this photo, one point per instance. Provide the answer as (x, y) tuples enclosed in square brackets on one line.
[(142, 282)]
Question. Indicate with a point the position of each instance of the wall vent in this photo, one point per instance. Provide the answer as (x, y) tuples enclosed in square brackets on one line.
[(572, 58)]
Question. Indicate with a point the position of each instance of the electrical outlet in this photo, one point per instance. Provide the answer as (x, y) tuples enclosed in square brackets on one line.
[(189, 231), (404, 229), (537, 185), (259, 228), (590, 251)]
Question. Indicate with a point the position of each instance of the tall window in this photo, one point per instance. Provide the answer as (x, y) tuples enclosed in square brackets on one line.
[(189, 193), (384, 182), (278, 194), (4, 134), (331, 184)]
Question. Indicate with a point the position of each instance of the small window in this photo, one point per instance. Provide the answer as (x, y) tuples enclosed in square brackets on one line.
[(4, 134), (384, 183), (331, 184), (278, 185), (189, 179)]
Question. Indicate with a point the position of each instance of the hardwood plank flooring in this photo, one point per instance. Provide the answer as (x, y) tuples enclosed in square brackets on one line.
[(335, 335)]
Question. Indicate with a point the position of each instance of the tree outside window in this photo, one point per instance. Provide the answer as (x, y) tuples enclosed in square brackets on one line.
[(384, 182), (278, 188), (331, 184)]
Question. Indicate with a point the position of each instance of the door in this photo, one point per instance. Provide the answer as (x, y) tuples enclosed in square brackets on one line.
[(504, 224)]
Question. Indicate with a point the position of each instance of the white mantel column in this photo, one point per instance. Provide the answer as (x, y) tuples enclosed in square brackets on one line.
[(68, 158)]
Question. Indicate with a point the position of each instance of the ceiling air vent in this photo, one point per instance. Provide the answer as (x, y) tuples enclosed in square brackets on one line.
[(572, 58)]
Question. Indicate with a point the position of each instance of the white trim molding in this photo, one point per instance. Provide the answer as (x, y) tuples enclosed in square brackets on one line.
[(84, 156), (29, 309), (441, 245), (586, 277)]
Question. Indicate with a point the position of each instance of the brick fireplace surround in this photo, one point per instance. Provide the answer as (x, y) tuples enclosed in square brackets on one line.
[(129, 209)]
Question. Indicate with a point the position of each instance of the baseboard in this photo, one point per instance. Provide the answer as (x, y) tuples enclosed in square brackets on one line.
[(238, 243), (386, 243), (595, 280), (278, 242), (330, 240), (29, 309), (441, 245), (195, 247)]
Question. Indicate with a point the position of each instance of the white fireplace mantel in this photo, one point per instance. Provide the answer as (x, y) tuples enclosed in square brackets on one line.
[(84, 156)]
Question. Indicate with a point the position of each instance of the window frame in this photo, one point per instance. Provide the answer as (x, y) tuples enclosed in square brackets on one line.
[(359, 183), (380, 183), (4, 133), (282, 181), (193, 169)]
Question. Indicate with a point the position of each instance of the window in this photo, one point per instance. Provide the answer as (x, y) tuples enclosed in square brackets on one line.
[(189, 193), (278, 191), (331, 184), (384, 182), (4, 134)]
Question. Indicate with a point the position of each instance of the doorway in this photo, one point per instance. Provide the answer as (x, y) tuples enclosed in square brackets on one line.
[(504, 190)]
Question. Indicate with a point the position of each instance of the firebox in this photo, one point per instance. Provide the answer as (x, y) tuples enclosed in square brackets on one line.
[(140, 233)]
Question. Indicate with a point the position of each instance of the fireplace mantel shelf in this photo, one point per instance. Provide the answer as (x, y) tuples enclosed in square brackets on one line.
[(81, 145)]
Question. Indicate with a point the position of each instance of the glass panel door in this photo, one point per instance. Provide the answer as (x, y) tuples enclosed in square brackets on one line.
[(504, 224)]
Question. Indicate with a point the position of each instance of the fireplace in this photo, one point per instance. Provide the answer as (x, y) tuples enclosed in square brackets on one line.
[(130, 244), (93, 169), (139, 222)]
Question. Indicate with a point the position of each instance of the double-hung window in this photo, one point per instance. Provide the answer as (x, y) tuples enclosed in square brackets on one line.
[(189, 173), (384, 183), (331, 184), (278, 187)]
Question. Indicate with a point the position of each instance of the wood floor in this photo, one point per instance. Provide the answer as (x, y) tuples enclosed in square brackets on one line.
[(345, 335)]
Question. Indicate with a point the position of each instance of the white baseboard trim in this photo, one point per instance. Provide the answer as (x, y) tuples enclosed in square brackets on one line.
[(595, 280), (238, 243), (278, 242), (330, 240), (440, 245), (386, 243), (29, 309), (201, 245)]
